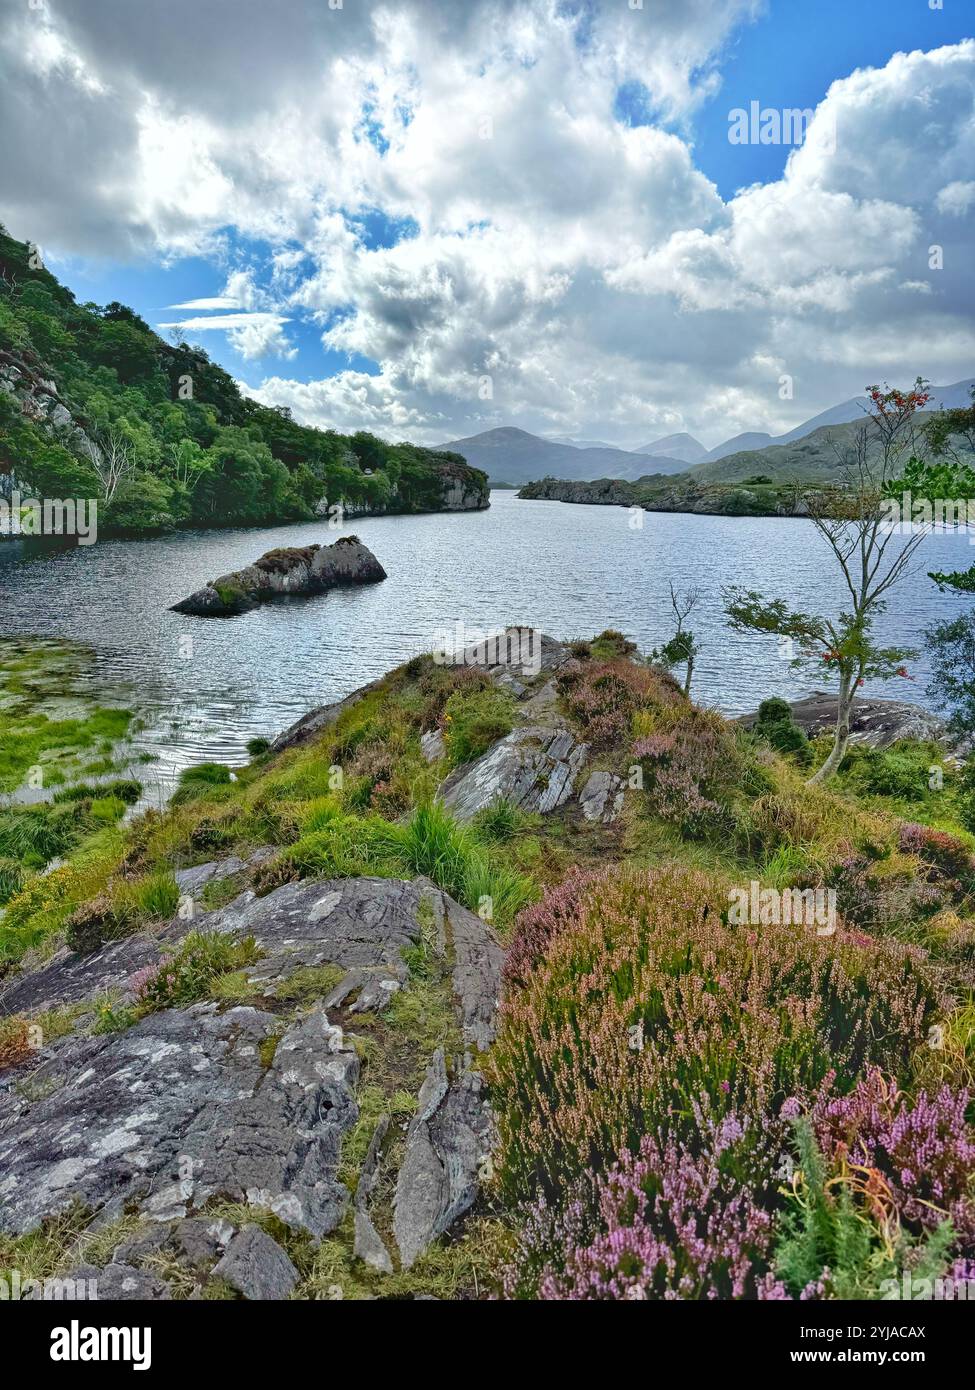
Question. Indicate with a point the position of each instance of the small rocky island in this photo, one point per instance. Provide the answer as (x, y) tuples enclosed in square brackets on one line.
[(293, 570)]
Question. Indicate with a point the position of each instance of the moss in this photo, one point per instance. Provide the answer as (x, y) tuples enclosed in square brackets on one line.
[(308, 983)]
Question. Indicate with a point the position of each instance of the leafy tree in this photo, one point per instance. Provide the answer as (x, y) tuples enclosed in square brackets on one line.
[(163, 412), (952, 685), (869, 554)]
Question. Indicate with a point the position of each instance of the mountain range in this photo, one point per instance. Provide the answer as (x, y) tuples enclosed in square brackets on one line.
[(511, 455)]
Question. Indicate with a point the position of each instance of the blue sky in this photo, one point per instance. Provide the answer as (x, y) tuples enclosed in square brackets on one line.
[(515, 211), (789, 59)]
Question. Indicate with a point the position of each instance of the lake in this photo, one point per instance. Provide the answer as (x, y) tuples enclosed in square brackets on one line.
[(569, 570)]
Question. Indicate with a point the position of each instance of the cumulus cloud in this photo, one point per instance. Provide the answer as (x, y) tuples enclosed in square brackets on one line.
[(555, 266)]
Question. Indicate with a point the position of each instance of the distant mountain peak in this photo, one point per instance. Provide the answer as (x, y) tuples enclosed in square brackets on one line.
[(679, 446)]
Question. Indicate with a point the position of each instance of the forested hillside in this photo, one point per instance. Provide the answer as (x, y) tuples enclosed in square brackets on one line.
[(94, 404)]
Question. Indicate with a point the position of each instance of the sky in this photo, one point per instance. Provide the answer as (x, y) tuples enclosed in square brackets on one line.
[(427, 218)]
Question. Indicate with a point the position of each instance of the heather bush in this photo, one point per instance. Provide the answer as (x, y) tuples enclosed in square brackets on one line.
[(947, 860), (189, 973), (674, 1222), (648, 1000), (914, 1159), (536, 926), (439, 682), (694, 768), (602, 697)]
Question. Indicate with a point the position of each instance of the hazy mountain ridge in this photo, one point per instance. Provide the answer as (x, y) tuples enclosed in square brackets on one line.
[(512, 455)]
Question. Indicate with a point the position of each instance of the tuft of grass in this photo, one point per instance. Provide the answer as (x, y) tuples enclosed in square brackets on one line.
[(193, 970)]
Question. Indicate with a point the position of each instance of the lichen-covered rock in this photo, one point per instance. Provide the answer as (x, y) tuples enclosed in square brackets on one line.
[(876, 723), (368, 1244), (601, 799), (449, 1139), (475, 974), (180, 1108), (252, 1104), (300, 570), (534, 768), (256, 1266), (119, 1282)]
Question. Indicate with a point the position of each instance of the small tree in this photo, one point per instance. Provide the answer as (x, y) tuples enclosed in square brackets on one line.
[(682, 649), (850, 520), (111, 458), (952, 686)]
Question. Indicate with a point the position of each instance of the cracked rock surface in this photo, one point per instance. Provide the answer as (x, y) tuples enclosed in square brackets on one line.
[(211, 1102), (535, 768), (180, 1108)]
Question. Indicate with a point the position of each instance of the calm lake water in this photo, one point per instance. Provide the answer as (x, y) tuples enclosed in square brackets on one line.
[(569, 570)]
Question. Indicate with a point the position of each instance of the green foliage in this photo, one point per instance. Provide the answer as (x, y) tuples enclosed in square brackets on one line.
[(952, 687), (776, 725), (901, 772), (199, 780), (199, 452), (473, 720), (193, 968), (827, 1246)]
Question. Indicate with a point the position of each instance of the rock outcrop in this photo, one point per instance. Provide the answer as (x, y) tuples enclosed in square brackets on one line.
[(533, 768), (877, 723), (299, 570), (253, 1102)]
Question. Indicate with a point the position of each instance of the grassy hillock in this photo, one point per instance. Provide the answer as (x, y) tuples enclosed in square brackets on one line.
[(193, 451), (688, 1104)]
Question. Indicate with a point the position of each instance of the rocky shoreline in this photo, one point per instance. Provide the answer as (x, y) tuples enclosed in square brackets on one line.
[(295, 571), (652, 495)]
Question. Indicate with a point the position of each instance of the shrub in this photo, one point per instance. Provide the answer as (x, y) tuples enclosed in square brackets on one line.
[(610, 645), (901, 771), (473, 721), (257, 746), (538, 925), (93, 923), (948, 859), (602, 697), (190, 972), (836, 1238), (648, 1000), (675, 1222), (917, 1155), (776, 725), (694, 769), (15, 1040)]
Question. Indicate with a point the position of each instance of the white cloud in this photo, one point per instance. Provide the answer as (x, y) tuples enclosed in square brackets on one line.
[(590, 270), (252, 335)]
